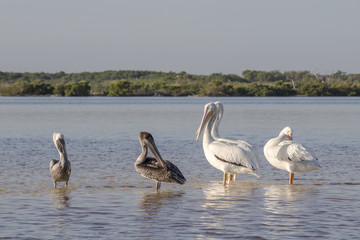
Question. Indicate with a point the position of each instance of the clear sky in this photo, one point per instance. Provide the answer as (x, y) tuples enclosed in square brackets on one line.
[(196, 36)]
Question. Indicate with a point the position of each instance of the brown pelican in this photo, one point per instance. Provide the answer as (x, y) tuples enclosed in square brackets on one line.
[(289, 156), (60, 169), (225, 156), (156, 168)]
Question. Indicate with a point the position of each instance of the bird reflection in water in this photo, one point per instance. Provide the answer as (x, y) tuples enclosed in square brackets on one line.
[(221, 204), (282, 203), (151, 202), (214, 192), (60, 197), (288, 193)]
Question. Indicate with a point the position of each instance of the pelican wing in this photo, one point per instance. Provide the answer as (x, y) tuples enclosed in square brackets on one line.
[(243, 143), (52, 163), (152, 163), (294, 152), (69, 168), (251, 153), (233, 154), (240, 143), (175, 172)]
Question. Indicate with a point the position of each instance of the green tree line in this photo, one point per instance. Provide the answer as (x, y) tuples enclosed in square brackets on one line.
[(152, 83)]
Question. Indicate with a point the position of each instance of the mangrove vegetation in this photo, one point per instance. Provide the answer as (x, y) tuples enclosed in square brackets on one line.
[(152, 83)]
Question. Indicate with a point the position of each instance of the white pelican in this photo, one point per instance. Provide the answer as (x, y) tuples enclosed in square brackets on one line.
[(60, 170), (240, 143), (156, 168), (289, 156), (225, 156)]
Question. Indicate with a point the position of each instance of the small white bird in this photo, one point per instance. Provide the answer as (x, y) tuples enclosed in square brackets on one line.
[(289, 156), (227, 157)]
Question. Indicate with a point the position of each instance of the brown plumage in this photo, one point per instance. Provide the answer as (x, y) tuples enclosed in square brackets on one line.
[(60, 170), (156, 168)]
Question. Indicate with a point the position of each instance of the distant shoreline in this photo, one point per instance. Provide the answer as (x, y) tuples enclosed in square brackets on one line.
[(151, 83)]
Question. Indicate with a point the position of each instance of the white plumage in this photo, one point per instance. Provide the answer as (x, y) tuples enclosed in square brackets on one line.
[(226, 156), (239, 143), (289, 156)]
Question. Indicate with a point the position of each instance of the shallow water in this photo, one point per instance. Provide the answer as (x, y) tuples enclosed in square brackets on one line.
[(108, 199)]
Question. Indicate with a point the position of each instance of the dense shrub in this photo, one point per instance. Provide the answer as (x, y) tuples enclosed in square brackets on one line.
[(80, 88), (120, 88), (38, 87), (150, 83)]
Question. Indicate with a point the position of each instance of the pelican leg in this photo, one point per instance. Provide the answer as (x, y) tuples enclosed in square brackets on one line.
[(234, 177), (291, 178), (158, 184), (224, 179), (66, 184), (54, 184), (230, 176)]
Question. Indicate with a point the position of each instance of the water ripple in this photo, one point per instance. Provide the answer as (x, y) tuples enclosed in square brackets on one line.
[(108, 199)]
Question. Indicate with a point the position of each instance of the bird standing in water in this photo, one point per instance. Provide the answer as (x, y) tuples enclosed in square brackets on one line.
[(156, 168), (289, 156), (228, 157), (60, 170), (240, 143)]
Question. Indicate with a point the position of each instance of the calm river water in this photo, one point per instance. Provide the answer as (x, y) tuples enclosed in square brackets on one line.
[(108, 199)]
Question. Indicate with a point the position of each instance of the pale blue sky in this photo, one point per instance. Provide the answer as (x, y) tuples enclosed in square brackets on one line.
[(196, 36)]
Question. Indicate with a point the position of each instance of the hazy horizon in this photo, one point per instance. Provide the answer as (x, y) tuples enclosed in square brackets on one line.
[(198, 37)]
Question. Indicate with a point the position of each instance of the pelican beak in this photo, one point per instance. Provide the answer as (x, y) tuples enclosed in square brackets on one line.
[(204, 120), (152, 147), (289, 137), (197, 134), (59, 142)]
